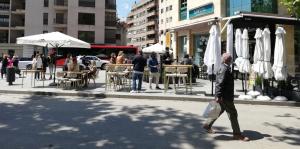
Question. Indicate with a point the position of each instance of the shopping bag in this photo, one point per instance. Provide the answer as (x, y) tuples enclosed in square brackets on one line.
[(212, 110)]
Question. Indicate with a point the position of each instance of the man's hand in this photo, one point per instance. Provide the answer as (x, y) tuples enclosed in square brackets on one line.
[(219, 100)]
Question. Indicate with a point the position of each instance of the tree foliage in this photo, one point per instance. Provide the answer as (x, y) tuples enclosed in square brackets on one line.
[(293, 7)]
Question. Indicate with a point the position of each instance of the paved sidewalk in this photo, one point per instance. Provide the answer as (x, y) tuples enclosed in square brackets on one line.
[(200, 91)]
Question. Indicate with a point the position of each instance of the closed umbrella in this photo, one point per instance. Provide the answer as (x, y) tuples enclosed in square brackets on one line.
[(267, 54), (229, 45), (245, 63), (238, 47), (212, 56), (258, 65), (279, 66)]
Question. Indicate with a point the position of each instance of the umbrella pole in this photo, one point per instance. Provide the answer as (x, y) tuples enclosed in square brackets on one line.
[(212, 81), (245, 83), (243, 89)]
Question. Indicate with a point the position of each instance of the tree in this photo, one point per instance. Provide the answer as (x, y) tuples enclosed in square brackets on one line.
[(293, 7)]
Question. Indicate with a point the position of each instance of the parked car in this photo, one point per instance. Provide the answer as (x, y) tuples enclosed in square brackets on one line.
[(99, 63)]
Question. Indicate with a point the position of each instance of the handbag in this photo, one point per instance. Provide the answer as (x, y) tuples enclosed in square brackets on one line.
[(212, 110)]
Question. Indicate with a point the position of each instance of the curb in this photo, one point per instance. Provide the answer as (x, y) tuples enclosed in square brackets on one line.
[(141, 96)]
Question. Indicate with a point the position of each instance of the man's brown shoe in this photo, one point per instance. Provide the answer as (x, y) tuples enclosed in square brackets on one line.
[(241, 137), (208, 129)]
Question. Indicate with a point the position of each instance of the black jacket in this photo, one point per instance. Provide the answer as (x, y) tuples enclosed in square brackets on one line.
[(139, 63), (225, 83)]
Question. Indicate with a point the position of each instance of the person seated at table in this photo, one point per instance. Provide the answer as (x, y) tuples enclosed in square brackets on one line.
[(73, 67), (91, 72)]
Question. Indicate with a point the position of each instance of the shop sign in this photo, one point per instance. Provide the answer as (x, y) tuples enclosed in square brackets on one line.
[(201, 11)]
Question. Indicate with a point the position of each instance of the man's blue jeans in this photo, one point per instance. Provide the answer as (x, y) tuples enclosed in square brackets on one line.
[(137, 76)]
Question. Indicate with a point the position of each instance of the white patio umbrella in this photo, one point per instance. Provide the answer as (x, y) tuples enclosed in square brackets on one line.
[(53, 40), (212, 56), (245, 63), (267, 54), (238, 47), (258, 65), (157, 48), (279, 66), (229, 45)]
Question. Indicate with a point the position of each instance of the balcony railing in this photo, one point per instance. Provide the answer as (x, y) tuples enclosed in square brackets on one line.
[(4, 7), (4, 24), (60, 2), (59, 21), (111, 23)]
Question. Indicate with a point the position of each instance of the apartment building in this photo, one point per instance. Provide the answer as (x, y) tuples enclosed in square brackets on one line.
[(184, 25), (93, 21), (143, 24)]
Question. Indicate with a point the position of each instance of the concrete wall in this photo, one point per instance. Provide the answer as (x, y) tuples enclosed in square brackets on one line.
[(34, 17)]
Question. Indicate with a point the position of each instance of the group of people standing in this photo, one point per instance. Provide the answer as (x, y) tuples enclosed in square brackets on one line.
[(41, 62), (10, 66)]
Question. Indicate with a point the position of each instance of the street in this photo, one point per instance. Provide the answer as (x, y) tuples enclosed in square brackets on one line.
[(31, 122)]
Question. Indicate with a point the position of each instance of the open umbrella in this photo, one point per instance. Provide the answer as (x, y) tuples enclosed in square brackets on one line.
[(238, 47), (279, 66), (267, 54), (212, 56), (258, 65), (229, 45), (157, 48), (53, 40)]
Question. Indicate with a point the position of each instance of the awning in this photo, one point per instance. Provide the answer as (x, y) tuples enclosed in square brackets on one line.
[(263, 18), (199, 25)]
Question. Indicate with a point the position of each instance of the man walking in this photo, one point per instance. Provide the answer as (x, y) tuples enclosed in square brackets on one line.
[(139, 63), (224, 96)]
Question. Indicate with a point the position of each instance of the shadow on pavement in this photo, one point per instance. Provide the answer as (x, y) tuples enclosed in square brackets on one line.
[(55, 122)]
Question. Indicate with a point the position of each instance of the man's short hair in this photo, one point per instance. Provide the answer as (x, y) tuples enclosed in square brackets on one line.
[(227, 58)]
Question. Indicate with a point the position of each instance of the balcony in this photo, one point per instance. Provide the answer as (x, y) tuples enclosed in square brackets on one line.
[(4, 7), (60, 4)]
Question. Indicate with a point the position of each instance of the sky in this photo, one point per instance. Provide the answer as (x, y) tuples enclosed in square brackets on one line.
[(123, 8)]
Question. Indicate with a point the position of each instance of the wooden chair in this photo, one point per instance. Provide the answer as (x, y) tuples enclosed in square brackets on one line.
[(111, 77), (182, 73), (170, 72), (61, 80)]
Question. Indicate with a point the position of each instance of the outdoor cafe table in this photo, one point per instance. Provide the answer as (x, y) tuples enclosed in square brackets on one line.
[(117, 68), (32, 81), (178, 66), (73, 73)]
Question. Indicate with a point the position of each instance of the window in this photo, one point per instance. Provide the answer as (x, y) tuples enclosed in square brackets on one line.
[(86, 18), (86, 3), (183, 10), (45, 32), (162, 21), (87, 36), (4, 20), (162, 1), (45, 19), (170, 7), (262, 6), (110, 19), (162, 10), (110, 36), (46, 3), (110, 4)]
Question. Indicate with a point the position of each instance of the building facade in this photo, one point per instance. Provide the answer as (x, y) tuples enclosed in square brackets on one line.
[(93, 21), (184, 25), (121, 34), (143, 24)]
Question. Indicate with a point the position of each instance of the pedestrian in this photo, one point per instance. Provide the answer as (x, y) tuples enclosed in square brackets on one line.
[(44, 66), (16, 65), (4, 66), (224, 96), (51, 64), (37, 64), (10, 71), (139, 63), (68, 60), (153, 67), (120, 59)]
